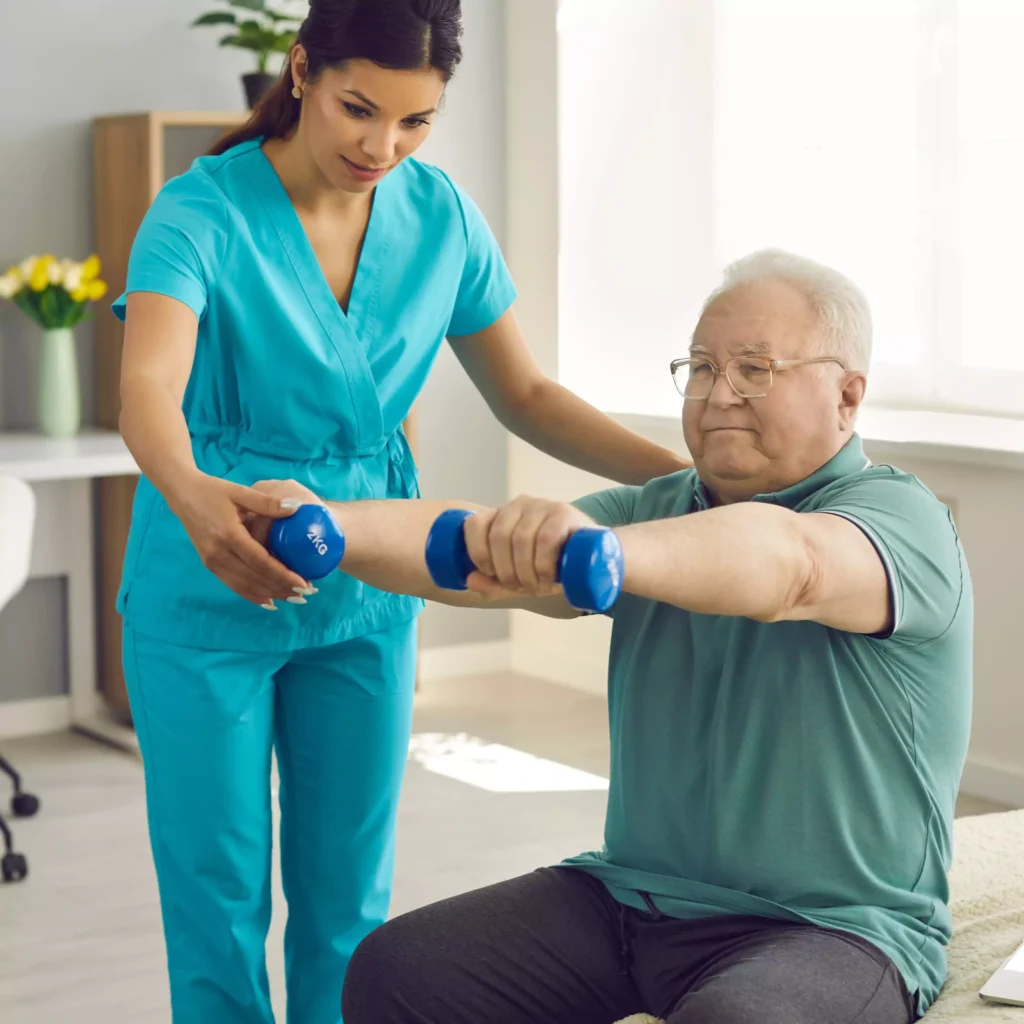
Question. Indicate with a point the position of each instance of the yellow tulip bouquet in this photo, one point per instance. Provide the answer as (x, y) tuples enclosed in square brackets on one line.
[(54, 293)]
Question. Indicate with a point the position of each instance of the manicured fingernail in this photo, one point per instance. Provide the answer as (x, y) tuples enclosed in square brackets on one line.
[(269, 606), (297, 600), (290, 504), (305, 591)]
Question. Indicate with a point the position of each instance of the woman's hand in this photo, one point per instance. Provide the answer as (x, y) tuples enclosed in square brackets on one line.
[(516, 548), (287, 490), (216, 515), (291, 494)]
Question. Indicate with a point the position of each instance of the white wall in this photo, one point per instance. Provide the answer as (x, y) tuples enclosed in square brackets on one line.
[(463, 450), (986, 501)]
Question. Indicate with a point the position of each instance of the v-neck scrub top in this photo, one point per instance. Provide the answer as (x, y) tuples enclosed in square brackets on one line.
[(286, 385)]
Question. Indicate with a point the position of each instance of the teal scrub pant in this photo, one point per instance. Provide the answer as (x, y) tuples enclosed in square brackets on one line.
[(339, 720)]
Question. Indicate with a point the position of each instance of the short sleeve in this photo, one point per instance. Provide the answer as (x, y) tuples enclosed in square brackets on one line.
[(611, 508), (181, 239), (486, 289), (914, 535)]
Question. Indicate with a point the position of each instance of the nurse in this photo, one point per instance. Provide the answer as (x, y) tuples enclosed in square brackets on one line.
[(285, 300)]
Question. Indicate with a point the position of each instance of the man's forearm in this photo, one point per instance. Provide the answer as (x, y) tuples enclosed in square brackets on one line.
[(747, 560), (385, 546)]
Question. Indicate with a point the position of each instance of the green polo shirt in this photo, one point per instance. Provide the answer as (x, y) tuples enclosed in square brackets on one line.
[(791, 770)]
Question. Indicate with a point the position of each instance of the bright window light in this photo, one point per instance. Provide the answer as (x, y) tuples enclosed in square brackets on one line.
[(885, 137)]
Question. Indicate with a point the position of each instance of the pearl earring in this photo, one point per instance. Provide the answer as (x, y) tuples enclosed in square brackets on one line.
[(297, 92)]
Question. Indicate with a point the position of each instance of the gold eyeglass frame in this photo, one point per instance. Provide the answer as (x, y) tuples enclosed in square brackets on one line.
[(772, 365)]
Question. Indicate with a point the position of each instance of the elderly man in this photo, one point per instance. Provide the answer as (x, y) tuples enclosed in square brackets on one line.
[(790, 695)]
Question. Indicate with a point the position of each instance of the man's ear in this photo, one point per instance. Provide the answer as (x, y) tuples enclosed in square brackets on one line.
[(850, 398)]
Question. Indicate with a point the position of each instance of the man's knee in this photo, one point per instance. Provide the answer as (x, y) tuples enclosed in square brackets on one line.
[(718, 1004), (381, 971)]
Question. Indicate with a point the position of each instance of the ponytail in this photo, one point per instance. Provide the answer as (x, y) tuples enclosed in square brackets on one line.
[(276, 114)]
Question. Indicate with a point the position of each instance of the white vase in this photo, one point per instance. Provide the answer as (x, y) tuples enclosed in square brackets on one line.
[(59, 402)]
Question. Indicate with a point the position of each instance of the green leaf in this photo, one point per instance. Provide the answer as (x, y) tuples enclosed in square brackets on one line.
[(68, 307), (79, 311), (242, 43), (23, 300), (215, 18), (60, 305), (249, 5), (283, 42), (278, 16), (49, 309)]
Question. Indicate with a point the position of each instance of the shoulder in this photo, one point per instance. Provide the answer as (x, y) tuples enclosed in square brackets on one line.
[(204, 193), (662, 498), (885, 491), (915, 535), (665, 497), (437, 195), (192, 202)]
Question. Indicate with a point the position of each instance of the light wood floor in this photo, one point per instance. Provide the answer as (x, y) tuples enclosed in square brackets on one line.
[(80, 939)]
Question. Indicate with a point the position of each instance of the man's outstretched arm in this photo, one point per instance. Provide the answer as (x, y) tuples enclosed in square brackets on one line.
[(385, 546), (750, 560), (762, 562)]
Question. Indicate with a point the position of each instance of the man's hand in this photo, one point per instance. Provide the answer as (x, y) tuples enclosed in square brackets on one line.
[(516, 548)]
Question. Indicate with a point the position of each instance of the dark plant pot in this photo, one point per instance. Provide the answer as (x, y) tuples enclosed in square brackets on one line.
[(256, 85)]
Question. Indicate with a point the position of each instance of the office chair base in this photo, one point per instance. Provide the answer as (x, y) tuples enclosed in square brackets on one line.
[(24, 805), (13, 867)]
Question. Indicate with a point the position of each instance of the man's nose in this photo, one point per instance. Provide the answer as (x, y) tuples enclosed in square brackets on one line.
[(722, 395)]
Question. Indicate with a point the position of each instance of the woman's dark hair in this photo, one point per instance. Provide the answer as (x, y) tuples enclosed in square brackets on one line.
[(400, 34)]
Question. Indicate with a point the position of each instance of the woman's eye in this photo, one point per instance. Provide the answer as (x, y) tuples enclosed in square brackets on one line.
[(416, 122), (356, 111)]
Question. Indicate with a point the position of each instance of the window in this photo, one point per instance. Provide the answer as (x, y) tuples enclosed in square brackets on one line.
[(885, 137)]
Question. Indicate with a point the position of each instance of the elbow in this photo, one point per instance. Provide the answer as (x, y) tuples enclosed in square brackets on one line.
[(799, 580), (515, 411)]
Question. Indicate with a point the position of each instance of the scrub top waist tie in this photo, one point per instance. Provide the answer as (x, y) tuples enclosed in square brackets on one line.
[(169, 594)]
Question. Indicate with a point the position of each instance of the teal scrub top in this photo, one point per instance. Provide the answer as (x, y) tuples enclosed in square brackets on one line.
[(285, 384), (789, 770)]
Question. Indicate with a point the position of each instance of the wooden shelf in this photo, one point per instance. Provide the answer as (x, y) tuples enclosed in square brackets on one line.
[(181, 118)]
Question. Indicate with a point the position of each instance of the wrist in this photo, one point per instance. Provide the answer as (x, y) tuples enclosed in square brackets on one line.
[(179, 485)]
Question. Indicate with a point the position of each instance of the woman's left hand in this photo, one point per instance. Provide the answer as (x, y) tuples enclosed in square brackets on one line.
[(259, 526)]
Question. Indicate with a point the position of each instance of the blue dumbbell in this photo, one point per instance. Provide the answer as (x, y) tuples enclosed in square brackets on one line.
[(589, 569), (309, 542)]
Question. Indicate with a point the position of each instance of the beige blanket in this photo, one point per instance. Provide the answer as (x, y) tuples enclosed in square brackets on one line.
[(987, 891)]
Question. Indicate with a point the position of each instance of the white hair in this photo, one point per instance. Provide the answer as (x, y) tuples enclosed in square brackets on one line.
[(841, 306)]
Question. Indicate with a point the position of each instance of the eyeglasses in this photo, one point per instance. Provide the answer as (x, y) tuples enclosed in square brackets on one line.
[(748, 376)]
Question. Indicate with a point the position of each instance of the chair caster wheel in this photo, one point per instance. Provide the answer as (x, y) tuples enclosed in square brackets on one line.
[(24, 805), (14, 867)]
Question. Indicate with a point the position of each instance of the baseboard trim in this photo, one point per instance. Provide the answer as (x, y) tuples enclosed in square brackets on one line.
[(465, 660), (33, 717), (991, 780)]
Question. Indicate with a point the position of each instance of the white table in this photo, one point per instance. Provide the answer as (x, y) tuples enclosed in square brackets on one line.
[(61, 474)]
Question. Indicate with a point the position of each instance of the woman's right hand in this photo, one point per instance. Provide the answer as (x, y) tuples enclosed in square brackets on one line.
[(215, 514)]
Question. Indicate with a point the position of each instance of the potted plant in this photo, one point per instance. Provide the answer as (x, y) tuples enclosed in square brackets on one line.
[(260, 29), (56, 295)]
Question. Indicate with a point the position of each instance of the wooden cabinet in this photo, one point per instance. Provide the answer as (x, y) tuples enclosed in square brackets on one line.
[(134, 155)]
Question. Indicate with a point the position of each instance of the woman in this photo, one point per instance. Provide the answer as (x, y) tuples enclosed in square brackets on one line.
[(285, 300)]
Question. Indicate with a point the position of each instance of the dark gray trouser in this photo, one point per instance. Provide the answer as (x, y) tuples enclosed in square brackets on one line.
[(554, 947)]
